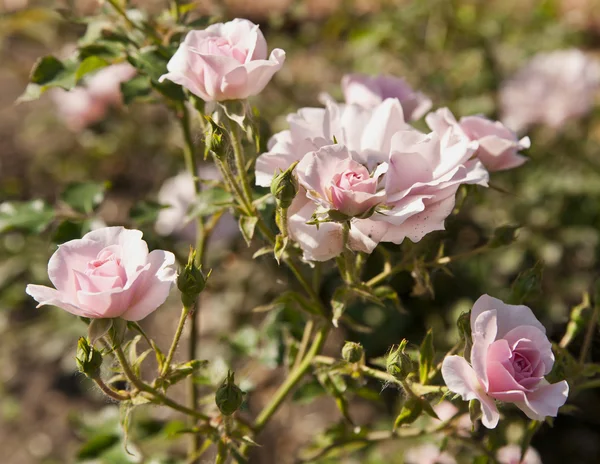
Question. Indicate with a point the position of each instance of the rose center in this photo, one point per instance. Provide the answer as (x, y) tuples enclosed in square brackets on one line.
[(221, 46), (107, 264), (521, 364)]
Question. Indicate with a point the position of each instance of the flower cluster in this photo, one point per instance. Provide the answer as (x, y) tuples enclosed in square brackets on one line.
[(363, 160)]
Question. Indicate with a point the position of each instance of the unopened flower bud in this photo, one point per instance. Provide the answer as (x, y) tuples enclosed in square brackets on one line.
[(284, 186), (398, 363), (213, 141), (474, 411), (229, 397), (88, 358), (502, 236), (352, 352), (191, 281), (464, 325)]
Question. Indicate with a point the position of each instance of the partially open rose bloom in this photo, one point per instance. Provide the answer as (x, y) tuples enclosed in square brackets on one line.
[(498, 146), (371, 158), (427, 453), (550, 89), (370, 91), (106, 274), (509, 359), (511, 454), (225, 61)]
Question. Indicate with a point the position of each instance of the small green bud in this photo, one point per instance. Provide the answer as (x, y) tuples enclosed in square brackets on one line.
[(88, 358), (229, 397), (191, 281), (352, 352), (398, 363), (213, 140), (527, 284), (284, 186)]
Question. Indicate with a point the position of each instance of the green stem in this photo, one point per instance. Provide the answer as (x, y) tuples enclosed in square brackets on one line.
[(308, 328), (115, 395), (589, 335), (221, 453), (201, 236), (142, 386), (184, 313), (295, 376), (240, 162)]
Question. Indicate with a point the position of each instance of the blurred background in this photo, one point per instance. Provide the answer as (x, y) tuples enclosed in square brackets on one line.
[(532, 64)]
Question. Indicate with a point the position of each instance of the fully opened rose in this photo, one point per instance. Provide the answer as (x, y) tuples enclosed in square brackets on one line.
[(106, 274), (352, 159), (225, 61), (509, 359)]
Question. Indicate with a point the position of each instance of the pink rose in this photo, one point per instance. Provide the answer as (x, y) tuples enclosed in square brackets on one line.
[(427, 453), (334, 180), (108, 273), (498, 146), (225, 61), (77, 108), (415, 175), (550, 89), (511, 454), (370, 91), (509, 359), (105, 85)]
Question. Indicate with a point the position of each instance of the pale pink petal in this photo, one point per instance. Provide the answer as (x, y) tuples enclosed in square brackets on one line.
[(538, 339), (545, 400), (49, 296), (484, 333)]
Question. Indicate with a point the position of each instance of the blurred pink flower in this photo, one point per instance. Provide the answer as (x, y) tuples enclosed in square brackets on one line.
[(178, 194), (225, 61), (427, 453), (370, 91), (509, 359), (418, 173), (498, 146), (105, 85), (86, 105), (108, 273), (550, 89), (511, 454), (446, 411)]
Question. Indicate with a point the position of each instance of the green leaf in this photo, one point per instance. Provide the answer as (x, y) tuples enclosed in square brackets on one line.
[(160, 357), (32, 92), (145, 212), (210, 201), (99, 50), (426, 354), (339, 302), (33, 216), (150, 62), (247, 225), (307, 392), (97, 445), (135, 88), (84, 197), (98, 328), (46, 69), (69, 230), (410, 412), (88, 65), (170, 90)]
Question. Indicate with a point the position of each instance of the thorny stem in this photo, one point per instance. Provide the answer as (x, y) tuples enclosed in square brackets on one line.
[(142, 386), (115, 395), (201, 236), (295, 376), (184, 314), (403, 266)]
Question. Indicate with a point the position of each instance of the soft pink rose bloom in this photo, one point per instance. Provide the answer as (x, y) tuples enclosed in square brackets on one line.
[(178, 194), (370, 91), (420, 174), (105, 85), (108, 273), (225, 61), (511, 454), (509, 359), (427, 454), (77, 108), (333, 180), (550, 89), (498, 146)]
